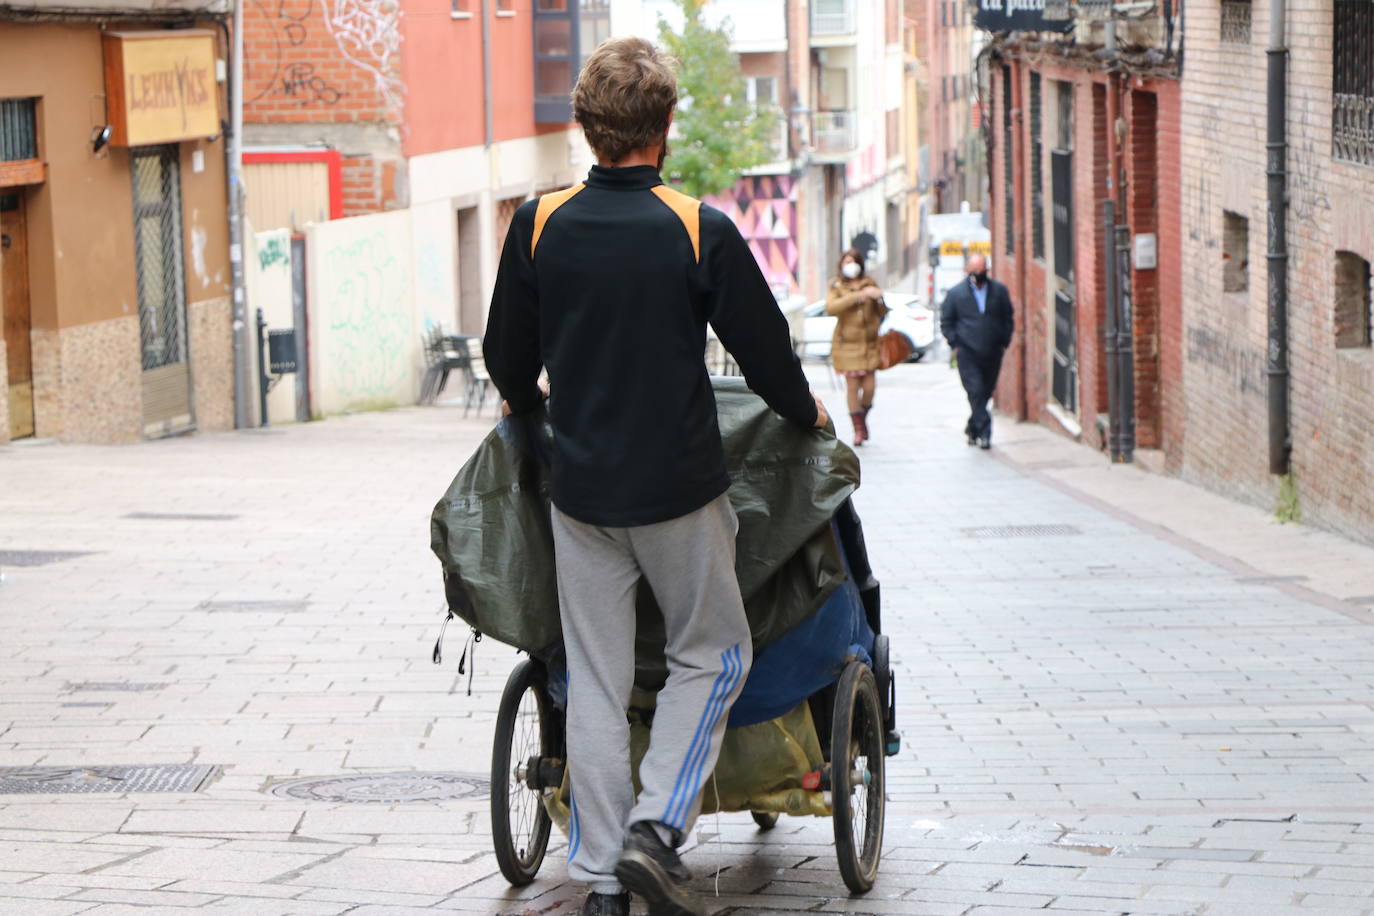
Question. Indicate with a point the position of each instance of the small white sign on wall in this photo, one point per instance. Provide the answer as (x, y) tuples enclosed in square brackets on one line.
[(1144, 256)]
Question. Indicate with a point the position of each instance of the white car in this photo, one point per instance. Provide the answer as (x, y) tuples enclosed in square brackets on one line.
[(908, 316)]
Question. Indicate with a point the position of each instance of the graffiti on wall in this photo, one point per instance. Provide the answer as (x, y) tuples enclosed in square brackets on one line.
[(368, 33), (365, 317), (1214, 349), (765, 210), (1305, 183), (270, 70)]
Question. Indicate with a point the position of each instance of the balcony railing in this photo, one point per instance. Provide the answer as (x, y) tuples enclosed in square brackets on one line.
[(833, 131), (832, 17)]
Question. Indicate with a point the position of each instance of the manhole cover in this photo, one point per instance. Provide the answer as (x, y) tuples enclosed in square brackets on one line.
[(385, 788), (38, 557), (120, 686), (1021, 531), (182, 516), (81, 780), (249, 606)]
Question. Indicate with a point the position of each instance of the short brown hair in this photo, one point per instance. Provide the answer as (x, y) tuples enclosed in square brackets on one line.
[(853, 254), (625, 97)]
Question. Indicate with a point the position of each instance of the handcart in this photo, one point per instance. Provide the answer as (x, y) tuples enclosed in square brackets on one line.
[(852, 717), (815, 719)]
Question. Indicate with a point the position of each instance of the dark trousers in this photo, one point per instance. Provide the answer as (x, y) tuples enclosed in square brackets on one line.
[(978, 372)]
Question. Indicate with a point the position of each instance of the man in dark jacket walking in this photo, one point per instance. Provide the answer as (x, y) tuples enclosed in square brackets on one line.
[(976, 318), (610, 285)]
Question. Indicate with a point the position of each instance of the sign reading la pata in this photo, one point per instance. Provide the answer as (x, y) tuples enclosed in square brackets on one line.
[(161, 87), (1023, 16)]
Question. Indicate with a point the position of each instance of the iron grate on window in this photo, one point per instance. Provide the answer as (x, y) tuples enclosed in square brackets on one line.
[(18, 130), (1037, 180), (1235, 21), (157, 241), (1352, 116)]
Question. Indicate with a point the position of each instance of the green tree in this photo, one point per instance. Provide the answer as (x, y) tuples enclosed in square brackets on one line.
[(719, 133)]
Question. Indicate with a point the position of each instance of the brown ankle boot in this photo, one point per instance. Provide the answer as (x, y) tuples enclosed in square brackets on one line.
[(867, 435), (860, 427)]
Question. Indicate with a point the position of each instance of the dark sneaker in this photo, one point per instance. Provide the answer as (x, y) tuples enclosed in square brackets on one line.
[(605, 905), (651, 868), (972, 439), (985, 443)]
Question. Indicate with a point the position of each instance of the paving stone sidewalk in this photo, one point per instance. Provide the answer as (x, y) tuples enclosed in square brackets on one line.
[(1115, 696)]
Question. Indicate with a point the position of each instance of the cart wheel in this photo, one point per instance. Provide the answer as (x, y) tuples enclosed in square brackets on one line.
[(525, 729), (766, 820), (857, 778)]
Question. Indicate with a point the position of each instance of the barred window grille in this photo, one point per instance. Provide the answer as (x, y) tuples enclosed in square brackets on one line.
[(18, 130), (1037, 181), (157, 242), (1235, 21), (1008, 198), (1352, 116)]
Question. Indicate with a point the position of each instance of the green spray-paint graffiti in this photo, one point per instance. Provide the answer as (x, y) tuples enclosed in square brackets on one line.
[(367, 325), (275, 249)]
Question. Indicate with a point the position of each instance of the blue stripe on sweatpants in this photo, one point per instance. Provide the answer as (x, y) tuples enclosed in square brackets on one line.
[(574, 827), (700, 732), (689, 778)]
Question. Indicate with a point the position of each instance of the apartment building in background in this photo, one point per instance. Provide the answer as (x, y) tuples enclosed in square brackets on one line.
[(832, 71), (113, 220), (955, 170), (387, 146)]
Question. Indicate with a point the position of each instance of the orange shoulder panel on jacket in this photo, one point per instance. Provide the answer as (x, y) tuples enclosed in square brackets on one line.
[(688, 209), (547, 204)]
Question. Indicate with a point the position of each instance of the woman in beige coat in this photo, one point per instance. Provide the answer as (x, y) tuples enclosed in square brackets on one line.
[(857, 302)]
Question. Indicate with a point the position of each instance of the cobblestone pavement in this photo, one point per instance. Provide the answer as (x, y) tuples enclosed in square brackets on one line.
[(1139, 710)]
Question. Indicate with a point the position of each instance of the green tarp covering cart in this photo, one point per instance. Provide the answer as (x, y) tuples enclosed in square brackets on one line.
[(814, 722)]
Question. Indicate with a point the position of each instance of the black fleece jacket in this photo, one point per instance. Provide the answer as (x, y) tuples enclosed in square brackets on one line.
[(611, 288)]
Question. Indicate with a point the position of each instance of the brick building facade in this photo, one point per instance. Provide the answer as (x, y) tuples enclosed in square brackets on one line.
[(1187, 142), (1225, 290), (1057, 123)]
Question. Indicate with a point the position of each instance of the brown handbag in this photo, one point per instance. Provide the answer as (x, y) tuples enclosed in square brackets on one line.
[(893, 349)]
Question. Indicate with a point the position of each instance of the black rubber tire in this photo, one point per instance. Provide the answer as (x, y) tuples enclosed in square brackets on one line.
[(519, 822), (857, 741), (882, 671), (766, 820)]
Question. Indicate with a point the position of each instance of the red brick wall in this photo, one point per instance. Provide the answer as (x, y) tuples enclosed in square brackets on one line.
[(1150, 158), (302, 66)]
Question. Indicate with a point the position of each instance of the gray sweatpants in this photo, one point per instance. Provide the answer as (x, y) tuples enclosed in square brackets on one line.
[(689, 562)]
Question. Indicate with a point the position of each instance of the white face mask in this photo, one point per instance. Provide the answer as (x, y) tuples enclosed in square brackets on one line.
[(851, 270)]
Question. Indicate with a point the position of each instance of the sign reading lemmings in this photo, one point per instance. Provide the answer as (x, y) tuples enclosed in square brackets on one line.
[(1023, 16), (161, 86)]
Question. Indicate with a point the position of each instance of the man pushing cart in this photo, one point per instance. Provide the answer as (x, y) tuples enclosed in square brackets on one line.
[(609, 286)]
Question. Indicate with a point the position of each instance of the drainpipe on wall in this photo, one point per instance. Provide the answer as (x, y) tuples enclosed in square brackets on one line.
[(233, 153), (1276, 146)]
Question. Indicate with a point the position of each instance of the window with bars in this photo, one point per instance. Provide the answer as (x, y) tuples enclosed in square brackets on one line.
[(1352, 116), (18, 130), (157, 245), (1037, 195), (1235, 21), (1008, 198)]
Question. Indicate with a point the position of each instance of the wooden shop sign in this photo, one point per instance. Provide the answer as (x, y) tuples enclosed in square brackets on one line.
[(160, 87)]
